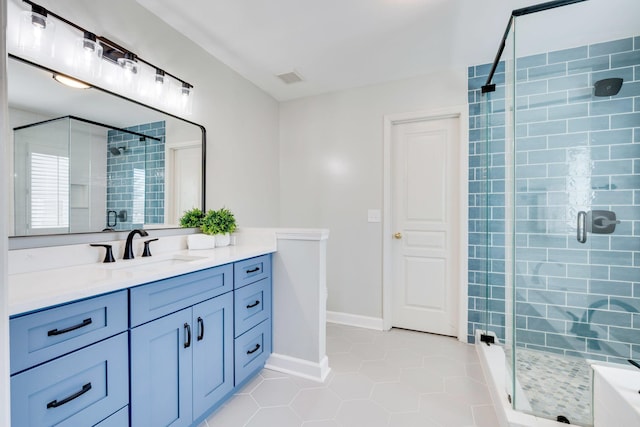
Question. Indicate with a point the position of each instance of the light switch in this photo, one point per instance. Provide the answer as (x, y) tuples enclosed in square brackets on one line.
[(374, 215)]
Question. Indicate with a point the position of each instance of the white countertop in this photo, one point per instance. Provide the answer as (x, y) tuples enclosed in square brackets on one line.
[(39, 289)]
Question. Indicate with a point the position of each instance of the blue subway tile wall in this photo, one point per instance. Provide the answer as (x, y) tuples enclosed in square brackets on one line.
[(573, 152), (135, 178)]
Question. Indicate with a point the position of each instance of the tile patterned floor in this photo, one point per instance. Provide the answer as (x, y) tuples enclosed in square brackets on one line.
[(379, 379)]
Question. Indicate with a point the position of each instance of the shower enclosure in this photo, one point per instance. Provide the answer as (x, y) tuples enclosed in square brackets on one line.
[(73, 175), (554, 186)]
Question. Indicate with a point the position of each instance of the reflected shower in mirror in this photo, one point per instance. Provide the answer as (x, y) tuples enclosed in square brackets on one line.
[(86, 160)]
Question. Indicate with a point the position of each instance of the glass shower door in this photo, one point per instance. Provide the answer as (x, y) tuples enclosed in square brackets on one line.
[(576, 267)]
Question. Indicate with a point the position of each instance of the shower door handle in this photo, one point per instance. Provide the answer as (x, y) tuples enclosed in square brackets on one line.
[(582, 227)]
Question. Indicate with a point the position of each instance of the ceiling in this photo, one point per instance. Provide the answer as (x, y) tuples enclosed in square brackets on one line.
[(340, 44)]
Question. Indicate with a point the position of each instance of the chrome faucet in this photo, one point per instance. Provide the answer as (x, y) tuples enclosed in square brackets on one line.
[(128, 247)]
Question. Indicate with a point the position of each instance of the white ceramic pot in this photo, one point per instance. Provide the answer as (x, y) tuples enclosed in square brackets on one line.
[(223, 239), (201, 241)]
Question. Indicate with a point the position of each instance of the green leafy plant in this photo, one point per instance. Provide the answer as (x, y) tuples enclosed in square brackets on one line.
[(192, 218), (218, 222)]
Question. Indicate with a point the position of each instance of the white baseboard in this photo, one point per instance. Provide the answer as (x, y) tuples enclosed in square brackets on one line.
[(299, 367), (355, 320)]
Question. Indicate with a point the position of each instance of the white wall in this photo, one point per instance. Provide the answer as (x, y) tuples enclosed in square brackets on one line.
[(331, 172), (241, 120)]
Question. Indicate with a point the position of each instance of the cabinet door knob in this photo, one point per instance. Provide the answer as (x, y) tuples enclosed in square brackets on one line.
[(54, 332), (255, 304), (56, 403), (187, 335), (397, 235), (200, 329)]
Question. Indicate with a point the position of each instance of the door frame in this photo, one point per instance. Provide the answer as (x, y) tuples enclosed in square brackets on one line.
[(460, 112)]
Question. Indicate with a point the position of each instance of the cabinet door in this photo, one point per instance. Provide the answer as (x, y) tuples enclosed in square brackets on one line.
[(251, 270), (166, 296), (252, 305), (45, 335), (212, 352), (161, 369), (78, 389), (252, 349)]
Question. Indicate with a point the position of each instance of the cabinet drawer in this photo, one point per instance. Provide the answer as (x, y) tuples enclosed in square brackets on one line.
[(251, 270), (79, 389), (119, 419), (252, 350), (252, 305), (44, 335), (156, 299)]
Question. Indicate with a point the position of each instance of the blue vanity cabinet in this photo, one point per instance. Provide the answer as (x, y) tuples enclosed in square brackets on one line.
[(181, 363), (252, 316), (165, 353), (70, 364)]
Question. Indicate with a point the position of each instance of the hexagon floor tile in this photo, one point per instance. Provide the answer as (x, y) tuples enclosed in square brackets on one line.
[(397, 378)]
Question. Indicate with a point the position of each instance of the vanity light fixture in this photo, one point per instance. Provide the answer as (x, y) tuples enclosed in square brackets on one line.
[(97, 59), (89, 42), (159, 76), (36, 32), (129, 63), (70, 81), (39, 17), (186, 98), (87, 55)]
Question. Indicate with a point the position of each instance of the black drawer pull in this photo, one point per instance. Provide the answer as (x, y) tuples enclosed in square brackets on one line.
[(84, 323), (253, 270), (187, 335), (254, 304), (55, 403), (200, 329), (254, 350)]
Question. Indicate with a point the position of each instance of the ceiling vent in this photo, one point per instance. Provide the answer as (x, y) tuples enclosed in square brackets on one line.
[(290, 78)]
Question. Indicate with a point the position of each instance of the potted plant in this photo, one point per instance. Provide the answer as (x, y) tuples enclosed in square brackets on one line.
[(193, 218), (220, 223)]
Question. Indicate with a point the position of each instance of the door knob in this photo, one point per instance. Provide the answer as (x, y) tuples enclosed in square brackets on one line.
[(398, 236)]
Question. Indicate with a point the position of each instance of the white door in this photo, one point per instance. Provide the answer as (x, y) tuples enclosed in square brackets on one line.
[(185, 180), (425, 181)]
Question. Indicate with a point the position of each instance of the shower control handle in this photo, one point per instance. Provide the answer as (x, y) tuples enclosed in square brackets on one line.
[(581, 228)]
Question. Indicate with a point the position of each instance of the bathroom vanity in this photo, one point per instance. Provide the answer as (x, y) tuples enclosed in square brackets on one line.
[(165, 351)]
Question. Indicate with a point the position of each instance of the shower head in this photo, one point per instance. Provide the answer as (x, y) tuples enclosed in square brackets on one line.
[(116, 151), (607, 87)]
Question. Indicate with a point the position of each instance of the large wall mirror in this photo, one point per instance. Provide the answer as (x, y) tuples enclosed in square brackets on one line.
[(85, 160)]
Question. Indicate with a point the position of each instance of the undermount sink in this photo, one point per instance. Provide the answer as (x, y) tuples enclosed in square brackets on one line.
[(152, 263)]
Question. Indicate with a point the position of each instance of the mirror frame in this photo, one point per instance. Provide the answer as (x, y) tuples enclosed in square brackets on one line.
[(25, 242)]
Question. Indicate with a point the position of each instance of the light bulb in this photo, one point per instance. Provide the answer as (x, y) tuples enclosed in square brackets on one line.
[(35, 37), (87, 56)]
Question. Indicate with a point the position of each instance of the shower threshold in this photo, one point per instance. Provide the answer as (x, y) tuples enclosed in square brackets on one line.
[(493, 362)]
